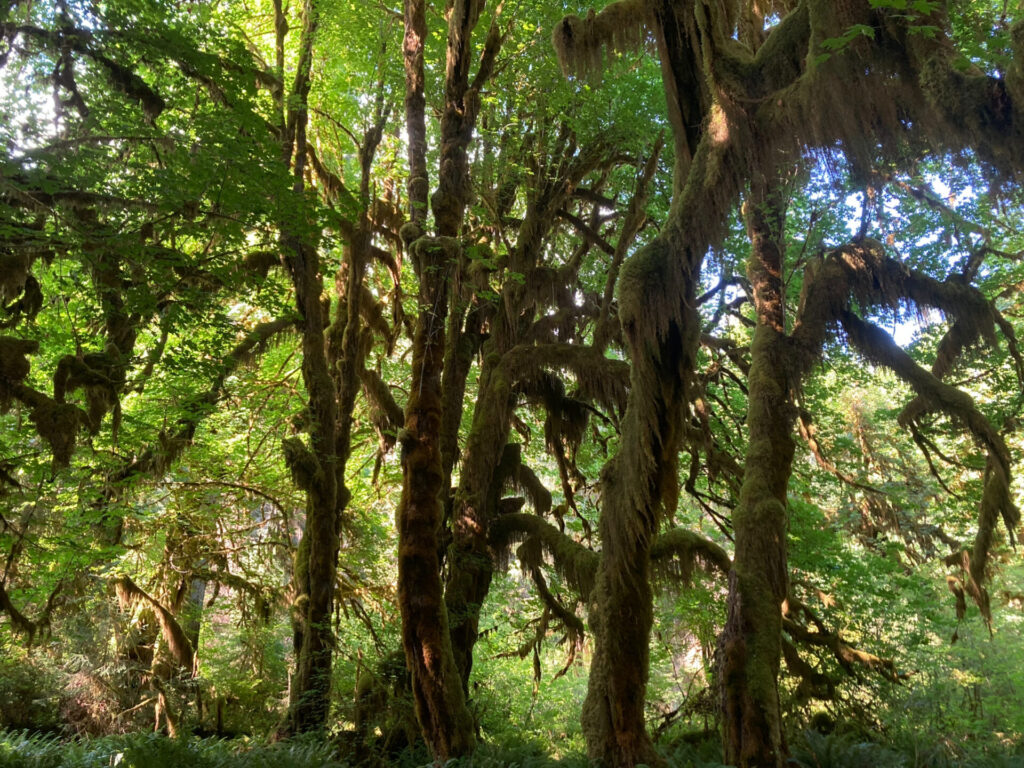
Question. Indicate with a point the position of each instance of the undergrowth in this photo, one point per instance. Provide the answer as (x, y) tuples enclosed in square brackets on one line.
[(815, 750), (149, 750)]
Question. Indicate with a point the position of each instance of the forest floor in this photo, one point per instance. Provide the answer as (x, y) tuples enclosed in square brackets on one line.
[(150, 750)]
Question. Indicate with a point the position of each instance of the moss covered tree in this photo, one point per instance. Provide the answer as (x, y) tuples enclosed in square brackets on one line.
[(860, 79)]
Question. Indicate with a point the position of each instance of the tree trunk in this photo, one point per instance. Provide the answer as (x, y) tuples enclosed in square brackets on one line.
[(620, 619), (471, 564), (445, 719), (751, 643), (437, 693), (635, 484), (316, 560), (440, 704)]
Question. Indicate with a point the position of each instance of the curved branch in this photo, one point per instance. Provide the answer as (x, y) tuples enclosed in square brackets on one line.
[(676, 552), (573, 561), (20, 622), (388, 416), (996, 500), (601, 379), (129, 594)]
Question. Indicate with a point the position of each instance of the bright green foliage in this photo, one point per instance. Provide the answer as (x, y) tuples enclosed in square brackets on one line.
[(142, 189)]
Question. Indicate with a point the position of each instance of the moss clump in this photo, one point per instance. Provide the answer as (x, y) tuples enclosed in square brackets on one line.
[(301, 463), (13, 275), (581, 42), (14, 366), (58, 424), (260, 262), (573, 561)]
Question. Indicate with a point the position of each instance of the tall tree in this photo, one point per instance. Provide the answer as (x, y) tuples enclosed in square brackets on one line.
[(766, 97), (440, 701)]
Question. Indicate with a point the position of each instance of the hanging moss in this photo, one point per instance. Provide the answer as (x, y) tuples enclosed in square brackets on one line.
[(1015, 69), (574, 562), (302, 464), (260, 262), (511, 476), (371, 311), (130, 595), (58, 424), (677, 552), (599, 379), (133, 86), (14, 273), (526, 481), (386, 414), (621, 27), (28, 305), (99, 374), (14, 366)]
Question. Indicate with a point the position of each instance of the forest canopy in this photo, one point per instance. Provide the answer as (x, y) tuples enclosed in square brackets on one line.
[(396, 382)]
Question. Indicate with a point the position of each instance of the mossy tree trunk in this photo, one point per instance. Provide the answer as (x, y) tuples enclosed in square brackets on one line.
[(636, 483), (316, 559), (471, 564), (621, 617), (751, 643), (661, 326), (440, 704), (440, 701), (331, 362)]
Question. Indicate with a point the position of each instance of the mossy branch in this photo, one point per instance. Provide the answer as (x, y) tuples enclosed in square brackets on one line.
[(23, 625), (813, 684), (129, 595), (512, 475), (574, 562), (387, 414), (996, 500), (675, 554), (863, 272)]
